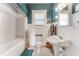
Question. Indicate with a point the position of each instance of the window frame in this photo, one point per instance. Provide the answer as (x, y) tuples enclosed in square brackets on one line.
[(39, 11), (38, 24), (64, 12)]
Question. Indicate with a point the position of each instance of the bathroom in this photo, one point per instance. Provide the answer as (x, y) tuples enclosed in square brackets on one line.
[(45, 29)]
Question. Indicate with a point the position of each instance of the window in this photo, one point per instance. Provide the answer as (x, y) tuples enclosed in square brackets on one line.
[(39, 19), (63, 19)]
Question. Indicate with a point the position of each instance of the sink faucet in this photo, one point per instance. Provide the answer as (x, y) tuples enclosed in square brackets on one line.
[(60, 37)]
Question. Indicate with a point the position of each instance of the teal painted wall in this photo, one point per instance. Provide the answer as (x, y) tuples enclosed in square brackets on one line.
[(54, 13), (23, 6), (51, 13), (29, 14), (26, 9), (41, 6)]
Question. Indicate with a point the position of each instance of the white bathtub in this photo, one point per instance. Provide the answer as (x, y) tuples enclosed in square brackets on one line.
[(12, 48)]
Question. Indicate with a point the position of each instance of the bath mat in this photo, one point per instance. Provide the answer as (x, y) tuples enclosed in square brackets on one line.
[(27, 53)]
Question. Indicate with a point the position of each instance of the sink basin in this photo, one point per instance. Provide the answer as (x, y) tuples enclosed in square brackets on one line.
[(54, 39), (57, 40), (58, 44)]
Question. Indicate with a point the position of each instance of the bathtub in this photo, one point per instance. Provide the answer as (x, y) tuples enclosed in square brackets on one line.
[(12, 48)]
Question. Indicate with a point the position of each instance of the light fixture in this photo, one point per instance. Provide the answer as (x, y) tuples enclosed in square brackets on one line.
[(56, 17), (56, 9)]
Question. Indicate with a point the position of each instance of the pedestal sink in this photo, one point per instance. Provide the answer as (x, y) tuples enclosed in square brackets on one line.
[(58, 44)]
